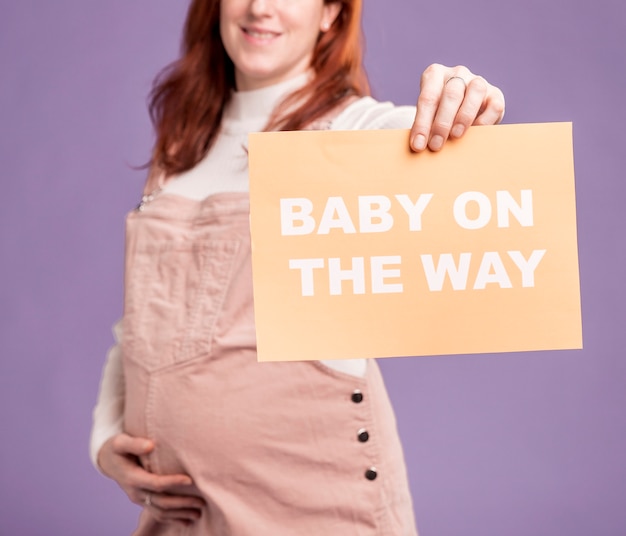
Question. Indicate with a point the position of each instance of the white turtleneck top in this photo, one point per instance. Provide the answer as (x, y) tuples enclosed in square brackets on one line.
[(225, 168)]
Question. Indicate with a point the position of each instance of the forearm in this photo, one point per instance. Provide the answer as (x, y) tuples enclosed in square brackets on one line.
[(108, 414)]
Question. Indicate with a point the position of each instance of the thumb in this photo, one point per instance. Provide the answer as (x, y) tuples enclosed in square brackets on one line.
[(137, 446)]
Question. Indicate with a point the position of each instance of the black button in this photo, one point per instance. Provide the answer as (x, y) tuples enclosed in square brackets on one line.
[(371, 473), (357, 397), (363, 435)]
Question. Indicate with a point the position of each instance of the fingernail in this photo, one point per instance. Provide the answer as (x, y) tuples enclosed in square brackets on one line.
[(457, 131), (436, 142), (419, 142)]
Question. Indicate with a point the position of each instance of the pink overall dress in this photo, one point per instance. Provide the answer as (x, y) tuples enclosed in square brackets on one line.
[(275, 449)]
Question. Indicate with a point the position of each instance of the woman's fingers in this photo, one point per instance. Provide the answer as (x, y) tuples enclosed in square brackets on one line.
[(442, 94), (124, 445), (119, 460), (493, 107), (130, 448), (431, 84), (474, 94), (175, 502), (138, 477), (173, 507), (164, 495), (451, 100), (137, 482)]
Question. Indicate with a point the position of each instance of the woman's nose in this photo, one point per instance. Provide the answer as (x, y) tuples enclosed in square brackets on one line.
[(261, 8)]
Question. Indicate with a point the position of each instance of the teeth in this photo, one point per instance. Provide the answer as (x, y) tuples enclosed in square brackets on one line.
[(260, 35)]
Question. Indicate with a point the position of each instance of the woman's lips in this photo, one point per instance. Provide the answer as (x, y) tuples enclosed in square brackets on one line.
[(259, 35)]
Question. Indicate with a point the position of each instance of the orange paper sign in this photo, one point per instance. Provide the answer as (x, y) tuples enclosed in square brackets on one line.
[(361, 248)]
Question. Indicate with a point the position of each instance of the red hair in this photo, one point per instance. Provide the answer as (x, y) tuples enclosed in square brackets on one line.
[(188, 97)]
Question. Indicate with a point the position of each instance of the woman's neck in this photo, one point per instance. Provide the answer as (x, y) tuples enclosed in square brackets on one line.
[(258, 104)]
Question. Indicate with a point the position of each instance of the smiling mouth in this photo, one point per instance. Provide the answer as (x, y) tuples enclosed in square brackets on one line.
[(260, 34)]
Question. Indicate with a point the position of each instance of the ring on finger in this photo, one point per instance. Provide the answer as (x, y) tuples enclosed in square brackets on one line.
[(147, 500), (456, 78)]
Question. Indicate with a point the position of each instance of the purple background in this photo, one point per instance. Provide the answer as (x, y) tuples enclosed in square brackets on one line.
[(509, 445)]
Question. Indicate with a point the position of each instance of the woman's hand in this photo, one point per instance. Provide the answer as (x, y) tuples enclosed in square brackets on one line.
[(451, 100), (161, 494)]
